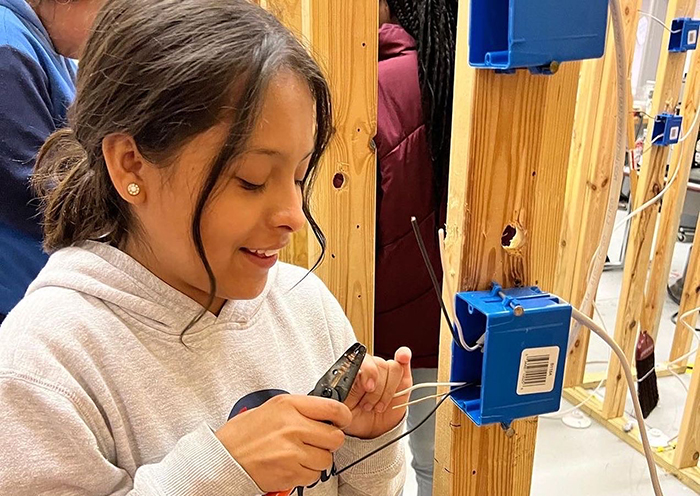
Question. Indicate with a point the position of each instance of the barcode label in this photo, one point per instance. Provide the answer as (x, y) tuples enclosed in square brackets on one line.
[(692, 37), (538, 370), (675, 131)]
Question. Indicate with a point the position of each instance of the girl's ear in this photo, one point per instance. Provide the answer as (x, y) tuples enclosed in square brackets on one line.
[(126, 166)]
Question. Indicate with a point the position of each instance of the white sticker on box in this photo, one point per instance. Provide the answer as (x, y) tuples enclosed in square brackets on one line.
[(538, 370), (673, 135), (692, 37)]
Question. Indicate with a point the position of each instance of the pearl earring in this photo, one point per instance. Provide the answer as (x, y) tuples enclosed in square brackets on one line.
[(133, 189)]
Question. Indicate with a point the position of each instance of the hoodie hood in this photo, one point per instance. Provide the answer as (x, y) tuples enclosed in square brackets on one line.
[(29, 18), (104, 272)]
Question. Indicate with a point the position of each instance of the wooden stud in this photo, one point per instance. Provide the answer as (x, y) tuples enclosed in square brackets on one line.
[(590, 167), (651, 180), (345, 190), (672, 205), (688, 448), (593, 407), (343, 36), (511, 139), (683, 337)]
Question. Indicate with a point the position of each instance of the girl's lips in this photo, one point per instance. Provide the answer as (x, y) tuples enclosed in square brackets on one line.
[(261, 257)]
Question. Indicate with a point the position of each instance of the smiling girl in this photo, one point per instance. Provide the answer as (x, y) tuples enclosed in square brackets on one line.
[(195, 136)]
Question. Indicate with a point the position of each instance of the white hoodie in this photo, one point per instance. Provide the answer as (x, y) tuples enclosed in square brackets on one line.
[(99, 396)]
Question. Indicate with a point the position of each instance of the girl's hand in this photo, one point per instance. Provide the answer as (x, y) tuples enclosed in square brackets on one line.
[(371, 399), (286, 443)]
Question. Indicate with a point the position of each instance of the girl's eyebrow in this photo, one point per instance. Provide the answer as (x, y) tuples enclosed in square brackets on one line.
[(275, 153)]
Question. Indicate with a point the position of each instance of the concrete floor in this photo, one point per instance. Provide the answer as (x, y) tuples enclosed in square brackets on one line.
[(593, 462)]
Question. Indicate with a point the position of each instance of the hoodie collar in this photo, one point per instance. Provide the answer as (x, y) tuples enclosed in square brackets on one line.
[(25, 12), (394, 41), (109, 274)]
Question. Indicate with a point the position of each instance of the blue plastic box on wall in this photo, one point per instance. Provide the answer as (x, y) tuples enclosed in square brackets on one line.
[(684, 34), (666, 130), (520, 371), (512, 34)]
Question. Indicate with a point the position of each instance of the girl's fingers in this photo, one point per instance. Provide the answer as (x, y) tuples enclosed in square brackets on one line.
[(394, 378), (371, 398)]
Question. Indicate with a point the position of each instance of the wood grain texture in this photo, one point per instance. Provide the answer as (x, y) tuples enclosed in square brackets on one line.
[(683, 337), (688, 448), (672, 205), (689, 476), (651, 181), (510, 149), (590, 169), (343, 36)]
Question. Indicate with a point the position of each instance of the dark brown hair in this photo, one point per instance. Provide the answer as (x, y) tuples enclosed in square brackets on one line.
[(164, 71)]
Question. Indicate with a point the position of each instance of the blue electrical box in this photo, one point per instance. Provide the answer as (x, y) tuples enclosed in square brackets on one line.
[(520, 370), (534, 34), (684, 34), (667, 129)]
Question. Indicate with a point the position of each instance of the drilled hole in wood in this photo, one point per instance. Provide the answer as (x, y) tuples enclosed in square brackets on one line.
[(338, 180), (512, 237), (332, 255)]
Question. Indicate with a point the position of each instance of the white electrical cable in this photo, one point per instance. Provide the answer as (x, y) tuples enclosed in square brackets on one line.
[(450, 301), (654, 18), (560, 415), (627, 218), (648, 452), (694, 333), (618, 166)]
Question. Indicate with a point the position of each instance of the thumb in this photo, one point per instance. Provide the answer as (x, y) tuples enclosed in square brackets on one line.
[(403, 355)]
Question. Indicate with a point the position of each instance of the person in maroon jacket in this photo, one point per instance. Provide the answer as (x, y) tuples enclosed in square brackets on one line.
[(416, 71)]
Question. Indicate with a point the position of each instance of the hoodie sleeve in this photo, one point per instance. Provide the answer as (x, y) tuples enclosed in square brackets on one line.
[(384, 474), (52, 444), (25, 123)]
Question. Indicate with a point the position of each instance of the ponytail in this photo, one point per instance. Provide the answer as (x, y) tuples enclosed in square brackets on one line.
[(78, 200)]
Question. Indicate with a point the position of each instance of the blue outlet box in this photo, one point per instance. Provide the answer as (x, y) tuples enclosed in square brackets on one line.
[(512, 34), (684, 34), (667, 129), (520, 371)]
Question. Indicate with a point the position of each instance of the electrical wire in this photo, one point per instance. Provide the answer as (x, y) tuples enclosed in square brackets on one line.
[(598, 262), (687, 355), (648, 452), (407, 433), (427, 385), (654, 18), (452, 321), (560, 415), (450, 290)]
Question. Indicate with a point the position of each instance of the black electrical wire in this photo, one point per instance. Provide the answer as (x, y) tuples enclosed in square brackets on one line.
[(408, 432), (433, 277)]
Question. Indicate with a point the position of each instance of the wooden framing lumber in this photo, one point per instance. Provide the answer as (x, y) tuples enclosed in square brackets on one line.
[(672, 204), (688, 448), (590, 167), (689, 476), (510, 149), (651, 180), (683, 337), (342, 35)]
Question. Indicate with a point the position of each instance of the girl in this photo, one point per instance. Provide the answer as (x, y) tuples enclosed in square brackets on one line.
[(416, 70), (38, 83), (195, 136)]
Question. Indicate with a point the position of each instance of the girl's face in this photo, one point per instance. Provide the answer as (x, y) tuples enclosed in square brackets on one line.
[(249, 218)]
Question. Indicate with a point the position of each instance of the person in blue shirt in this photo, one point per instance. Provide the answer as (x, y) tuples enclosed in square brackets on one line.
[(38, 39)]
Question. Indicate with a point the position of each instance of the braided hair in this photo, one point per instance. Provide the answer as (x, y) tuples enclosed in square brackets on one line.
[(433, 24)]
